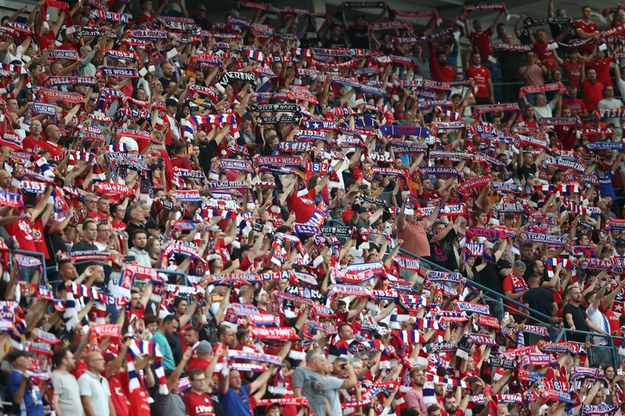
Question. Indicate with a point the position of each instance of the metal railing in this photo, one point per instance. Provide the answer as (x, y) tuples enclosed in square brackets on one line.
[(599, 354), (35, 254), (488, 292)]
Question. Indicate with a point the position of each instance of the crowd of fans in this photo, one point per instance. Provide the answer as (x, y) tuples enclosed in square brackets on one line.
[(207, 218)]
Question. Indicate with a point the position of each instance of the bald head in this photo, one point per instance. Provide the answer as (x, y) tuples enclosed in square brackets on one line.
[(52, 133), (95, 362)]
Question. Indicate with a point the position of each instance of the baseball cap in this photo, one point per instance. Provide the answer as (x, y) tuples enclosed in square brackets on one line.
[(504, 264), (204, 348)]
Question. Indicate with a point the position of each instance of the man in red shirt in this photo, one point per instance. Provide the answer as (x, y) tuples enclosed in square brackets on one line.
[(35, 138), (586, 29), (181, 158), (197, 402), (592, 89), (573, 68), (602, 65), (480, 39), (541, 46), (481, 76), (441, 71), (576, 105)]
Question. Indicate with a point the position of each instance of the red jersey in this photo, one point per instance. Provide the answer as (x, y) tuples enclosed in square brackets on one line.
[(603, 69), (441, 73), (481, 42), (39, 238), (589, 27), (118, 384), (546, 56), (593, 93), (303, 206), (573, 73), (576, 105), (480, 75), (181, 163), (198, 404), (32, 144), (23, 233)]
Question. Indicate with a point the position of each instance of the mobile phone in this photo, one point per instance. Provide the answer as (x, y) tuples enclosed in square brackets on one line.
[(619, 371)]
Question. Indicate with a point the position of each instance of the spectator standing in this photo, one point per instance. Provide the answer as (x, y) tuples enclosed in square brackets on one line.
[(321, 391), (168, 327), (481, 76), (586, 29), (66, 398), (94, 388), (25, 394)]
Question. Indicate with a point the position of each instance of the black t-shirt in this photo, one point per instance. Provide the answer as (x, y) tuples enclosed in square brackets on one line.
[(540, 300), (358, 37), (579, 320), (527, 172), (176, 346), (335, 43), (207, 152), (489, 277), (442, 252)]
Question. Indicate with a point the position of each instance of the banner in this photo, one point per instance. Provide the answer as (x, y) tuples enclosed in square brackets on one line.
[(275, 334), (118, 71), (11, 199), (235, 164), (557, 240), (107, 330), (473, 308)]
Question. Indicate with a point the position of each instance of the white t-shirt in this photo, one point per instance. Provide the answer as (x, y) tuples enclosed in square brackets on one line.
[(66, 387), (97, 388)]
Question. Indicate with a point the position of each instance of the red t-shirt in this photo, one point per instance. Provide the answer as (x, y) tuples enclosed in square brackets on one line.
[(118, 384), (481, 75), (46, 40), (589, 27), (573, 73), (576, 105), (23, 232), (593, 93), (441, 73), (603, 69), (198, 404), (481, 42), (547, 57), (32, 144), (181, 163), (39, 238), (222, 250), (303, 206), (144, 18), (56, 151)]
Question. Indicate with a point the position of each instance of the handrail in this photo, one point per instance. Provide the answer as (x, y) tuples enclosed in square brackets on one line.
[(610, 347), (36, 254), (564, 331), (486, 289)]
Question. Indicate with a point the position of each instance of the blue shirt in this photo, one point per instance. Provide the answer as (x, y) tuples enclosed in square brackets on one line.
[(236, 403), (31, 404), (168, 357)]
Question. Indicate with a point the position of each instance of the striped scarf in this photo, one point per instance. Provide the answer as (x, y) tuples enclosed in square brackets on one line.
[(142, 347)]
